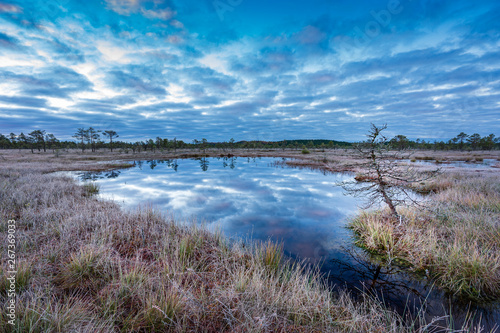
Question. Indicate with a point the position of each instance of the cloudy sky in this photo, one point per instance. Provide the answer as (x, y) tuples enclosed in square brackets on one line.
[(250, 69)]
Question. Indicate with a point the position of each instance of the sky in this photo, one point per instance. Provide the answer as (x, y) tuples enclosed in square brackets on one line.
[(250, 69)]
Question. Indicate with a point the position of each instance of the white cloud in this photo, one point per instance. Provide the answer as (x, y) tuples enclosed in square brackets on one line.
[(113, 53), (161, 14), (127, 7), (124, 7), (8, 8)]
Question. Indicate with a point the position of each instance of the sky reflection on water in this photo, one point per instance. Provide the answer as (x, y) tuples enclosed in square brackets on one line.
[(303, 209), (244, 197), (487, 163)]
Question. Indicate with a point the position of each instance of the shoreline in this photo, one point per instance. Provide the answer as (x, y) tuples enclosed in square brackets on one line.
[(84, 264), (335, 160), (49, 164)]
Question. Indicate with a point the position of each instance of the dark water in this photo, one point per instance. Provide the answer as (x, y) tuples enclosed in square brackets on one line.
[(303, 209)]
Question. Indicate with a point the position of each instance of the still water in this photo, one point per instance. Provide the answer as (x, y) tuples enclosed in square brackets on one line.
[(255, 199), (487, 163), (247, 198)]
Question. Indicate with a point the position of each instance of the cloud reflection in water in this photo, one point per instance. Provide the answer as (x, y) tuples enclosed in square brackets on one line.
[(252, 198), (244, 197)]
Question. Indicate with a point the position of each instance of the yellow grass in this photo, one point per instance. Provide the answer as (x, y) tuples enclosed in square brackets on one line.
[(87, 266), (455, 241)]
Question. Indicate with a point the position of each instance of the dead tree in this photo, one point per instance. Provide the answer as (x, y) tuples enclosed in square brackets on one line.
[(382, 178)]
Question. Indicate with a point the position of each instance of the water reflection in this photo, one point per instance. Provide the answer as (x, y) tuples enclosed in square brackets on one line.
[(152, 164), (204, 163), (245, 196), (487, 163), (251, 197), (409, 294), (231, 162), (93, 176)]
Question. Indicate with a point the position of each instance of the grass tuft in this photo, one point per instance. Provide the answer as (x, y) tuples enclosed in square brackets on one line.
[(271, 254), (87, 266), (87, 270), (91, 189), (456, 242)]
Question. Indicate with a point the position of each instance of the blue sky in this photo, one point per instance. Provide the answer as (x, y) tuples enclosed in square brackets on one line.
[(251, 70)]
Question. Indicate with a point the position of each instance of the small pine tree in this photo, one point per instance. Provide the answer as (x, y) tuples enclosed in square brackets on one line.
[(383, 179)]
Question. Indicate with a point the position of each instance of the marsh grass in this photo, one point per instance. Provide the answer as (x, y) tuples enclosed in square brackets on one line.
[(91, 188), (456, 242), (22, 281), (87, 270), (271, 254), (87, 266)]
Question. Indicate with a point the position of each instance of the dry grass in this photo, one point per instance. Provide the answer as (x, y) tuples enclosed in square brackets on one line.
[(456, 242), (329, 160), (86, 266)]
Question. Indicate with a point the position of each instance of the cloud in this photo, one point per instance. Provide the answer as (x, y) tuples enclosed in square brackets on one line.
[(105, 104), (176, 24), (52, 81), (8, 42), (175, 39), (160, 14), (161, 57), (165, 107), (150, 67), (128, 7), (207, 79), (9, 8), (311, 35), (207, 100), (124, 7), (24, 101), (134, 84), (266, 60), (66, 52), (323, 77)]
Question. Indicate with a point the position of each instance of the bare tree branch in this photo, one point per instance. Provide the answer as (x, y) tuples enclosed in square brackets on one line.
[(383, 179)]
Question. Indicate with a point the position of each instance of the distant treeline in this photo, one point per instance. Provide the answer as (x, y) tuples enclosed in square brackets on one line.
[(94, 139)]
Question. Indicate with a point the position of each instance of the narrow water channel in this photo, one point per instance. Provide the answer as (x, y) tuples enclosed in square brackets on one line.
[(304, 209)]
